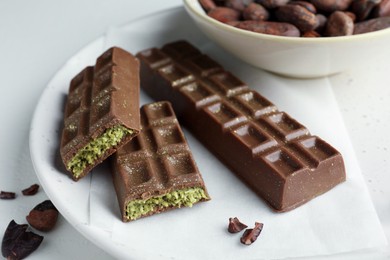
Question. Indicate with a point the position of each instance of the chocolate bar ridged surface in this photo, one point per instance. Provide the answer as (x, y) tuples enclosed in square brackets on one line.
[(270, 151), (101, 112), (156, 171)]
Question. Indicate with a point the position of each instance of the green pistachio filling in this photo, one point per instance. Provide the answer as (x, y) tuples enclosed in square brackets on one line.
[(97, 147), (185, 197)]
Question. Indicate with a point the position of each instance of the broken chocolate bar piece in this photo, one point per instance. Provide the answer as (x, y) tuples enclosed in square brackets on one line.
[(102, 111), (271, 152), (156, 171)]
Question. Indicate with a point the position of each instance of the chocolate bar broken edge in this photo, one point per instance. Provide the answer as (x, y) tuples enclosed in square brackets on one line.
[(115, 76), (323, 173), (143, 169)]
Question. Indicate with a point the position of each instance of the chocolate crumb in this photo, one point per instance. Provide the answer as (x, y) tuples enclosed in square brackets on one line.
[(250, 235), (7, 195), (235, 225), (32, 190)]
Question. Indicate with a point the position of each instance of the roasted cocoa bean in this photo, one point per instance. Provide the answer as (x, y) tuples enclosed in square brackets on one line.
[(372, 25), (273, 28), (238, 5), (309, 6), (272, 3), (311, 34), (363, 8), (321, 23), (339, 24), (331, 5), (17, 242), (297, 15), (43, 217), (207, 5), (255, 12), (224, 14), (382, 9)]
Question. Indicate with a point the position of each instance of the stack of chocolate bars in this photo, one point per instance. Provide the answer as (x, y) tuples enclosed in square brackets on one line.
[(153, 167)]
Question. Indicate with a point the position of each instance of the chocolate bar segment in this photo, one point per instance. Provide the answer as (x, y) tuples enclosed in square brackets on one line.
[(102, 111), (270, 151), (156, 171)]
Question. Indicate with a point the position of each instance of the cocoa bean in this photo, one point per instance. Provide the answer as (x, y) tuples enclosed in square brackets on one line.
[(339, 24), (273, 28), (331, 5), (255, 12), (297, 15), (363, 8), (238, 5), (224, 14), (311, 34), (382, 9), (272, 3), (372, 25), (207, 5), (309, 6)]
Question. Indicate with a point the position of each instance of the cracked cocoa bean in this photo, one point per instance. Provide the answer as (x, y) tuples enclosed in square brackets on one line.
[(235, 225), (7, 195), (17, 242), (43, 217), (30, 191), (251, 235)]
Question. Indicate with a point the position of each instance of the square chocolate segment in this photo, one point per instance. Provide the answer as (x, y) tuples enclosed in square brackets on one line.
[(254, 104), (284, 126), (199, 94)]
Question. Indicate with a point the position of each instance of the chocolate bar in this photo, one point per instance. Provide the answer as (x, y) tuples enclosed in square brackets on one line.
[(271, 152), (102, 111), (155, 171)]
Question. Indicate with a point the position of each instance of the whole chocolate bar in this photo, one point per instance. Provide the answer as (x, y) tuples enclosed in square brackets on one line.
[(156, 171), (271, 152), (102, 111)]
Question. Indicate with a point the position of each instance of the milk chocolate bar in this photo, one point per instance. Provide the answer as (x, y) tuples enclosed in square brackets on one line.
[(270, 151), (102, 111), (156, 171)]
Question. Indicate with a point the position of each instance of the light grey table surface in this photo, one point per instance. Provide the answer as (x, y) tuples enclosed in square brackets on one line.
[(38, 37)]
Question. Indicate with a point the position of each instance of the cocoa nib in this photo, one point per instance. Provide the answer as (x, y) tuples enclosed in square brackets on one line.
[(7, 195), (17, 242), (235, 225), (32, 190), (251, 234), (43, 217)]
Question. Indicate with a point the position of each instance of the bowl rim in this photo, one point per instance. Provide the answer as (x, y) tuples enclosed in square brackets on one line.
[(196, 10)]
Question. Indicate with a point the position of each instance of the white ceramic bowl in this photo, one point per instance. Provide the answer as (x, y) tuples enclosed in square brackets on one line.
[(291, 56)]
